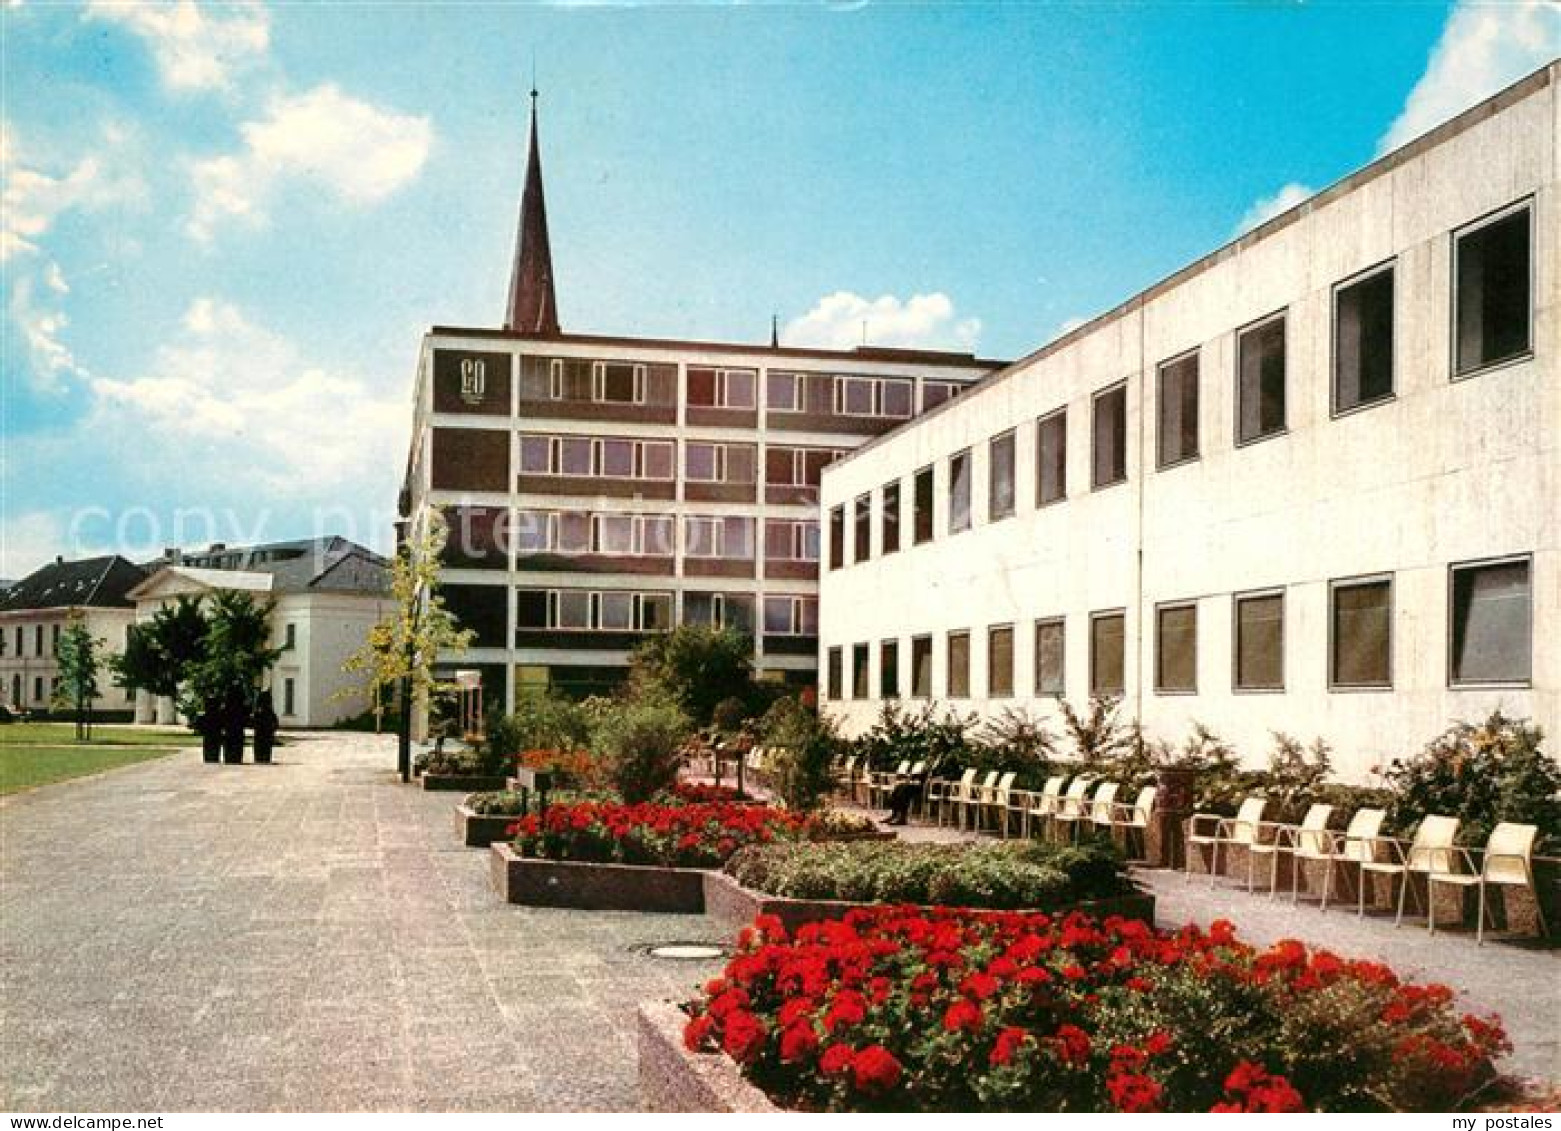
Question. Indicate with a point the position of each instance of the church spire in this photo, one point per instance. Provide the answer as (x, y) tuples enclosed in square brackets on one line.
[(533, 308)]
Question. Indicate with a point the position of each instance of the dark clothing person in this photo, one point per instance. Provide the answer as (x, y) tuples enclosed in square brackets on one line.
[(901, 798)]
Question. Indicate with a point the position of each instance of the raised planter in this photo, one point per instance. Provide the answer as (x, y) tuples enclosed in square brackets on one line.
[(479, 830), (595, 887), (674, 1079), (463, 783)]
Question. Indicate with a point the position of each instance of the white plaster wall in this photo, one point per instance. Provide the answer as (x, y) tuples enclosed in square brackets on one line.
[(330, 628)]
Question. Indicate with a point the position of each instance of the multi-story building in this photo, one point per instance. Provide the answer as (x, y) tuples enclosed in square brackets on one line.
[(1309, 483), (598, 488), (36, 610)]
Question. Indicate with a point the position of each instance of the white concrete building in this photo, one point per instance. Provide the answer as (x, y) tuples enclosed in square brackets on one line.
[(328, 594), (1309, 483)]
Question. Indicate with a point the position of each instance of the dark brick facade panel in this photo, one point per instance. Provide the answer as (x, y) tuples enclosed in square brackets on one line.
[(789, 570), (467, 459), (717, 567), (534, 411), (720, 492), (574, 486), (593, 563), (788, 493), (828, 422), (577, 641), (722, 417), (470, 382), (478, 538), (482, 608), (791, 645)]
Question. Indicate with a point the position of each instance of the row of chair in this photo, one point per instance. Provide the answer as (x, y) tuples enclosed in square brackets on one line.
[(1506, 861)]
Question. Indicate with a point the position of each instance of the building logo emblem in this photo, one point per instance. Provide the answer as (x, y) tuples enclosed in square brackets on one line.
[(474, 380)]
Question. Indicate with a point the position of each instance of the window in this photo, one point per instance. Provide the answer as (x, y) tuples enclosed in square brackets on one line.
[(835, 687), (536, 455), (856, 396), (614, 534), (3, 639), (863, 529), (783, 392), (572, 533), (617, 458), (655, 611), (894, 398), (934, 393), (1176, 648), (37, 640), (605, 458), (1260, 642), (959, 492), (1000, 661), (1049, 655), (572, 609), (287, 697), (1176, 420), (959, 665), (289, 637), (1260, 380), (1492, 274), (889, 669), (38, 695), (54, 640), (700, 462), (655, 460), (1361, 646), (921, 502), (1106, 653), (615, 612), (921, 667), (721, 388), (1363, 341), (790, 616), (1110, 434), (859, 674), (1000, 477), (621, 382), (1051, 458), (719, 463), (1492, 609), (837, 537), (531, 608), (791, 540), (889, 529)]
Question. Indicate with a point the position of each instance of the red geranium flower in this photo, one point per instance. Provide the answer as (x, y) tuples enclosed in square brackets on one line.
[(875, 1070), (836, 1059), (743, 1036), (963, 1015), (1007, 1043), (798, 1041)]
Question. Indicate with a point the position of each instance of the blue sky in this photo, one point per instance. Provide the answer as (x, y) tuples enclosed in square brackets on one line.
[(225, 227)]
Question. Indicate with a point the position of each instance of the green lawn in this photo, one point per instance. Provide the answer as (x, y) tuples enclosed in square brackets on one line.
[(24, 766), (48, 734)]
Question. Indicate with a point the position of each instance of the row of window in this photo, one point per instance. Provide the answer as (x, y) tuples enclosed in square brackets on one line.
[(20, 636), (1492, 325), (654, 460), (1490, 612), (620, 611), (622, 382), (654, 535)]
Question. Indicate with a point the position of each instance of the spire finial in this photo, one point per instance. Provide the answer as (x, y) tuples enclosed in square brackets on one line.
[(532, 307)]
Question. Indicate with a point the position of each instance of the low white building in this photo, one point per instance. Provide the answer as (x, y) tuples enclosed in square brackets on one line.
[(1309, 483), (328, 594)]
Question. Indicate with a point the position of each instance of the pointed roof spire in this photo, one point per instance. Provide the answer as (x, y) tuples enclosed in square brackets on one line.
[(533, 308)]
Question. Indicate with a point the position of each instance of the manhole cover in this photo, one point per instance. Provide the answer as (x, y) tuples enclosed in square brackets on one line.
[(685, 951)]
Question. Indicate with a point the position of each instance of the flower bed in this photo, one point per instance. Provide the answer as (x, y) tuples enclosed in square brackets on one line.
[(671, 836), (897, 1008), (1008, 875)]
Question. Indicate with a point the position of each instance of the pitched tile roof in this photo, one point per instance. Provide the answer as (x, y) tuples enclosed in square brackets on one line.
[(91, 582)]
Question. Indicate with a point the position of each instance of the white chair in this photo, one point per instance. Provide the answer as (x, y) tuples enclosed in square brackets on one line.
[(995, 802), (1078, 807), (845, 777), (970, 803), (1134, 819), (1103, 808), (1215, 832), (883, 782), (1508, 860), (1431, 851), (1312, 831), (1355, 845), (1070, 806), (1046, 803), (951, 792)]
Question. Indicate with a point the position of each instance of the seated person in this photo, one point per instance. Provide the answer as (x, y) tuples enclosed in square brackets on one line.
[(901, 797)]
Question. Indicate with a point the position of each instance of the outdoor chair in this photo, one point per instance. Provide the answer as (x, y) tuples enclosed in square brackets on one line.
[(954, 792), (845, 777), (1355, 845), (1020, 802), (1103, 807), (1070, 806), (940, 790), (1508, 860), (974, 796), (1215, 832), (1313, 831), (1431, 851), (1078, 806), (1047, 802), (1134, 818), (883, 782), (995, 802)]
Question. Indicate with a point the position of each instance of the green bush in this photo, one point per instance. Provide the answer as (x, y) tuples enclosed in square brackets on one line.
[(901, 733), (1004, 876), (805, 746), (640, 742), (695, 667)]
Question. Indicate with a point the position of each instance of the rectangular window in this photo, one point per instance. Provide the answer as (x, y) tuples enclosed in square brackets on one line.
[(616, 612), (737, 538), (779, 616), (290, 637), (959, 492), (781, 467), (783, 392), (1000, 661), (531, 608), (1492, 270), (1176, 418), (1107, 653), (859, 674), (701, 537), (835, 688), (921, 667), (702, 609), (856, 396), (1260, 642), (894, 399), (1051, 458), (617, 459), (1049, 657), (621, 382), (614, 534), (572, 533), (934, 393), (288, 693), (959, 665), (1260, 380), (656, 460), (38, 695), (1000, 477), (837, 537), (1363, 341), (1361, 652), (862, 529), (655, 612), (889, 669), (572, 609), (701, 462), (536, 455), (1109, 461), (889, 521), (37, 640), (922, 507), (791, 540), (1492, 611), (721, 388), (1176, 648)]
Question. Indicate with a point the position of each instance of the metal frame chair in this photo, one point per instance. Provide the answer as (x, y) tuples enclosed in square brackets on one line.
[(974, 796), (1078, 805), (883, 781), (995, 802), (1134, 817), (1240, 830), (1508, 860), (1313, 829), (1103, 808), (1046, 803), (1431, 851), (953, 789)]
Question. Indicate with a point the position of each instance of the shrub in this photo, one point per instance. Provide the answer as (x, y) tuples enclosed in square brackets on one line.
[(640, 742), (464, 762), (901, 733), (1482, 774), (1004, 876), (894, 1008), (728, 716), (696, 667), (497, 803), (805, 746), (1096, 733)]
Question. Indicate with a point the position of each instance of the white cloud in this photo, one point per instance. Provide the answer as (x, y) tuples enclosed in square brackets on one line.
[(196, 47), (42, 327), (32, 199), (920, 322), (1483, 48), (356, 151), (233, 395), (1268, 207)]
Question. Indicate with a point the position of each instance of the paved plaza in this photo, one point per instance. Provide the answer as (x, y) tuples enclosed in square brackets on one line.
[(311, 936)]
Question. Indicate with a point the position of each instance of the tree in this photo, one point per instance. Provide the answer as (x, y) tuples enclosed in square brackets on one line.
[(697, 667), (160, 654), (77, 685), (238, 654), (402, 649)]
